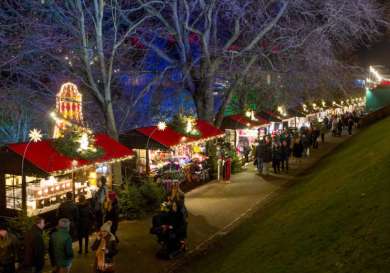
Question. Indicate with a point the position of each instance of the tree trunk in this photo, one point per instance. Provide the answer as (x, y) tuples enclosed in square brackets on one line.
[(110, 121), (204, 103), (221, 110)]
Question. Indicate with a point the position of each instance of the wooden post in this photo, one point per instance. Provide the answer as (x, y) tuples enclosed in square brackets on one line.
[(147, 162), (24, 195)]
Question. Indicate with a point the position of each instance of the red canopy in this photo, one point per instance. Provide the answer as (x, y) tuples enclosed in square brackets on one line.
[(43, 155), (247, 121), (207, 130), (167, 137)]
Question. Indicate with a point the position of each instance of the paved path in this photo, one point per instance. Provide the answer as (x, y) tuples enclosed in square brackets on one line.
[(212, 208)]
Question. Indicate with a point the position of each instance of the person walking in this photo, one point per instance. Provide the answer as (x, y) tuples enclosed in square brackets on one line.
[(297, 149), (323, 130), (334, 126), (9, 247), (276, 157), (69, 210), (112, 212), (105, 247), (267, 155), (60, 247), (259, 156), (85, 223), (98, 201), (285, 154), (34, 248), (340, 127), (306, 145), (350, 125)]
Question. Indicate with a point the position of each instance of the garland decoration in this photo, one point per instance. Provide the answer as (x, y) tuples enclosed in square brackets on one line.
[(79, 143), (186, 125)]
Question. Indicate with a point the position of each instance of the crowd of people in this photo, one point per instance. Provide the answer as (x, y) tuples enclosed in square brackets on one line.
[(101, 214), (277, 149), (75, 222)]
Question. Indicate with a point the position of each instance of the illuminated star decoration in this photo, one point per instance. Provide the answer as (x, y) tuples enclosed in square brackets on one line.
[(35, 135), (161, 125)]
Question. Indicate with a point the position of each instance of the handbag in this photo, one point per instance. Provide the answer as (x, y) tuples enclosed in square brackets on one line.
[(255, 162)]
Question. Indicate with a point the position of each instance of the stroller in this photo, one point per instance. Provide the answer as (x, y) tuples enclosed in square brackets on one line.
[(170, 238)]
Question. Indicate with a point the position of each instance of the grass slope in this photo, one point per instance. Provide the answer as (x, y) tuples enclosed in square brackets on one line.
[(337, 219)]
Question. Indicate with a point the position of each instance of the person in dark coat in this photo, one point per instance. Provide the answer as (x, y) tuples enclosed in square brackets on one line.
[(350, 125), (285, 154), (60, 247), (105, 247), (69, 210), (85, 223), (178, 227), (267, 155), (305, 140), (259, 156), (276, 157), (98, 201), (112, 212), (297, 149), (9, 247), (34, 247)]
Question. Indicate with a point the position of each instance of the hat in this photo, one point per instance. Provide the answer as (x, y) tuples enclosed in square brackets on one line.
[(106, 226)]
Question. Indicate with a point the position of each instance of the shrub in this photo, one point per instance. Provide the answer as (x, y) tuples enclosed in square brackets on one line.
[(21, 224), (236, 164), (130, 202), (152, 195)]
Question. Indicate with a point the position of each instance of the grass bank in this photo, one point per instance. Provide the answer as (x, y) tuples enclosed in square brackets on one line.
[(336, 219)]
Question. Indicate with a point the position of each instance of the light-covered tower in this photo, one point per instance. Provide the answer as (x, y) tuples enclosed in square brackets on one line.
[(68, 108)]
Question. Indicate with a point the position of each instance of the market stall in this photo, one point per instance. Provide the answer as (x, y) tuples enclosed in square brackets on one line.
[(274, 123), (173, 156), (35, 176), (242, 131)]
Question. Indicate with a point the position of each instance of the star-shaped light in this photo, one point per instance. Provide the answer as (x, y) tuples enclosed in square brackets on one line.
[(161, 125), (35, 135)]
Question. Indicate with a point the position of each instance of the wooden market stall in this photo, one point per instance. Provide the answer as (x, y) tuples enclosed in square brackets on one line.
[(244, 130), (35, 177), (163, 151)]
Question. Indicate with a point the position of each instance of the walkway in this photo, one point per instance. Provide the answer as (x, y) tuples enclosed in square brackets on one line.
[(213, 208)]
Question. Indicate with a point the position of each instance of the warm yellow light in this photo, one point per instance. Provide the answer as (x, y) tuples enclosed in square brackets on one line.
[(161, 125), (74, 163), (248, 113), (84, 142), (35, 135)]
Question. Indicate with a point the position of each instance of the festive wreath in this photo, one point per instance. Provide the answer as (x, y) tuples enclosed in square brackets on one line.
[(79, 143), (186, 125)]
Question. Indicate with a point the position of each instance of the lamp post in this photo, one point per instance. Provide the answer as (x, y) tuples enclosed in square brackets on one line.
[(161, 126), (34, 136)]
